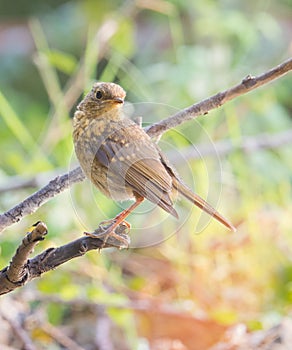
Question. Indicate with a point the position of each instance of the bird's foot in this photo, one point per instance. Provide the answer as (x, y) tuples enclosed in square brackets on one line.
[(112, 233), (111, 225)]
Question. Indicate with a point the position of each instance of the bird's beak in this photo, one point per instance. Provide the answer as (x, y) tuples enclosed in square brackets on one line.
[(118, 100)]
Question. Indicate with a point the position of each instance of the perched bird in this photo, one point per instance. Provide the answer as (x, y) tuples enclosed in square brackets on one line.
[(122, 161)]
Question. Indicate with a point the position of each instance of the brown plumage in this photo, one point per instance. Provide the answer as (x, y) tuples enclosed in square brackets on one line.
[(120, 158)]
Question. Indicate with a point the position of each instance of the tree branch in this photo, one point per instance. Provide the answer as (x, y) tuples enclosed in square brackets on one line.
[(249, 83), (33, 202), (61, 183), (22, 269)]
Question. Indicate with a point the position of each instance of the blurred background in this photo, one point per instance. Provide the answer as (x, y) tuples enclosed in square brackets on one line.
[(182, 283)]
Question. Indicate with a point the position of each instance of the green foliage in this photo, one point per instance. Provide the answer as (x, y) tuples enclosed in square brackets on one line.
[(64, 62), (167, 55)]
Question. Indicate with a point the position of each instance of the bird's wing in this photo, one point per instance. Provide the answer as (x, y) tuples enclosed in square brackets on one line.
[(130, 156)]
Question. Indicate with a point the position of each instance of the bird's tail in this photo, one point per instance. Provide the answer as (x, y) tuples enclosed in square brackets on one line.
[(201, 203)]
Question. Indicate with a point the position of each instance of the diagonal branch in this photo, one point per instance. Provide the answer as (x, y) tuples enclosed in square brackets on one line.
[(249, 83), (22, 269), (37, 199), (61, 183)]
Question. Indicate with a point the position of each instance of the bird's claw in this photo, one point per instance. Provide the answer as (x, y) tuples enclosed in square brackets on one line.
[(115, 236), (106, 226)]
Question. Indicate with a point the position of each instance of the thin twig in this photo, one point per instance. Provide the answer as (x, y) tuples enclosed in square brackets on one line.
[(60, 337), (61, 183), (22, 269), (20, 333), (246, 145)]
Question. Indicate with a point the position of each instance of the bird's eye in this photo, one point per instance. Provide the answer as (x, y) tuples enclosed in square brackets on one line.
[(98, 94)]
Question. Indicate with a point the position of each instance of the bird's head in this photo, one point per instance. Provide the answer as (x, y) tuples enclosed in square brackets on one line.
[(102, 98)]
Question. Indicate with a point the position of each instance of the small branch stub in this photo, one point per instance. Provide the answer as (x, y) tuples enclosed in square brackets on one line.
[(22, 269)]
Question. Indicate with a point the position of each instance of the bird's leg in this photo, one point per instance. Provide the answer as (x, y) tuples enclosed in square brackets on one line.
[(115, 222)]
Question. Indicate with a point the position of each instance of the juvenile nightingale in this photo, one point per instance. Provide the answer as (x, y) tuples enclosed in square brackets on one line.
[(122, 161)]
